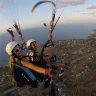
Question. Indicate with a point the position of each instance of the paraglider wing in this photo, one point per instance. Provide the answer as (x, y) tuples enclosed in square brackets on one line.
[(37, 4)]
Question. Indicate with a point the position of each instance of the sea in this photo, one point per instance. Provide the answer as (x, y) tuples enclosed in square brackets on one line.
[(40, 34)]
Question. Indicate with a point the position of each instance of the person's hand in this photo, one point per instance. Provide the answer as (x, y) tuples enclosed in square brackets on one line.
[(11, 32), (50, 72), (17, 28)]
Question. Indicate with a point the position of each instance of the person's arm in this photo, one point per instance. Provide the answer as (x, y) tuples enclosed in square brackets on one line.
[(52, 52), (47, 59), (17, 27), (11, 34), (31, 66)]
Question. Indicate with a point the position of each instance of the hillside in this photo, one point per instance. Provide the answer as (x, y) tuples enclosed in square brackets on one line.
[(78, 80)]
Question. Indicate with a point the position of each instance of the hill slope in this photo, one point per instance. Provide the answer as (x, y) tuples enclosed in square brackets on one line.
[(78, 80)]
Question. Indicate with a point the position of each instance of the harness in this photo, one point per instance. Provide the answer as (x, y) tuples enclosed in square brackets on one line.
[(39, 63), (21, 76)]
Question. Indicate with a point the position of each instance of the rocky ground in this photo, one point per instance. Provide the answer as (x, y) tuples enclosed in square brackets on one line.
[(78, 80)]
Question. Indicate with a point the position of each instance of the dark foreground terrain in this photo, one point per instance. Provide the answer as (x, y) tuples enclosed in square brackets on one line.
[(78, 80)]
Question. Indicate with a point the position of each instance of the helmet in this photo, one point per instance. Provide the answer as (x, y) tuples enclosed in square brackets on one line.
[(10, 46), (29, 42)]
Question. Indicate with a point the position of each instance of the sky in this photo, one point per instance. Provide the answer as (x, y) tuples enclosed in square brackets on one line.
[(75, 11)]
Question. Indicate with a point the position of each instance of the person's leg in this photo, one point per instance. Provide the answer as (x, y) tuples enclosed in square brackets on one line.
[(65, 65)]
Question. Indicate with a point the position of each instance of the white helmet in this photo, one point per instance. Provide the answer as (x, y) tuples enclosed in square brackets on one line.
[(29, 42), (10, 46)]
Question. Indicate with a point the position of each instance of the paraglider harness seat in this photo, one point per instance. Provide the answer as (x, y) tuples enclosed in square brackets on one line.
[(21, 76)]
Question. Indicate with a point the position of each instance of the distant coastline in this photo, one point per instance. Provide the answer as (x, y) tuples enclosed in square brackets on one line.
[(40, 34)]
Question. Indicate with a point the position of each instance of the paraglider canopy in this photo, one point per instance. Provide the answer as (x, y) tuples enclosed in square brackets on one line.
[(41, 2)]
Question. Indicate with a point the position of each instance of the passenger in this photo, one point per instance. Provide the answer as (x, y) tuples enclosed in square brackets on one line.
[(32, 46), (50, 60)]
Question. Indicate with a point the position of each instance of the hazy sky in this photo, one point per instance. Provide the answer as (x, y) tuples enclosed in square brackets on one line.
[(75, 11)]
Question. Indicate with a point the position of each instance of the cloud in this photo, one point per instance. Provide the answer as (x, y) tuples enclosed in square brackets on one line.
[(64, 3), (90, 13), (91, 7)]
